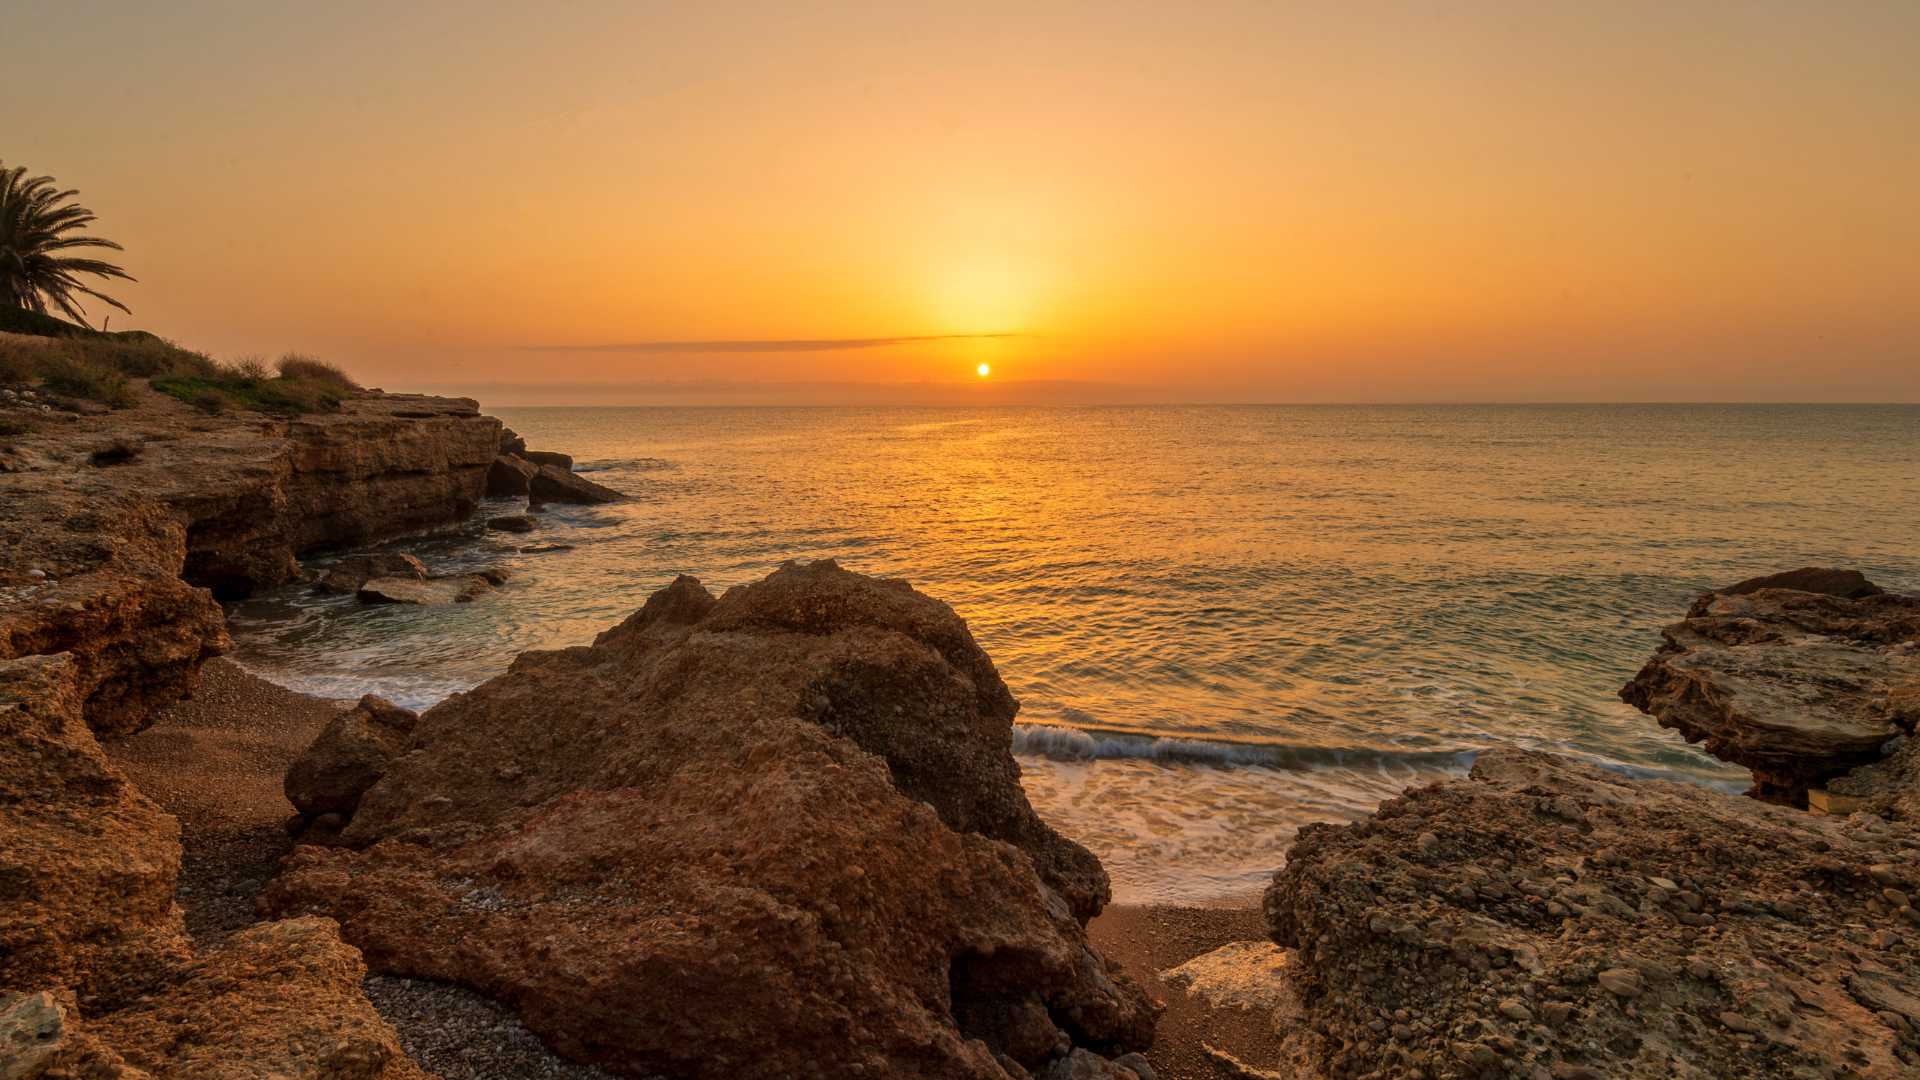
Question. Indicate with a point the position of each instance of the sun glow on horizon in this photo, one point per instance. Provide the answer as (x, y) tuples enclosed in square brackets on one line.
[(983, 370)]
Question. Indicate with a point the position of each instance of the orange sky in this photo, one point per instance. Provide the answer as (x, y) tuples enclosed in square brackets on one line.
[(1265, 202)]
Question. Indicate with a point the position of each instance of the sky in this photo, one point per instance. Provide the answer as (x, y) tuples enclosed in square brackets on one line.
[(606, 203)]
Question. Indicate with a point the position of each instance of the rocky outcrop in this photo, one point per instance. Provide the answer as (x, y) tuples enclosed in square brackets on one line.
[(383, 465), (1544, 918), (777, 834), (97, 978), (454, 589), (1799, 684), (94, 573)]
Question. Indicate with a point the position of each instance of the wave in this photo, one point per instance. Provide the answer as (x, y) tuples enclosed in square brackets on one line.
[(1084, 744)]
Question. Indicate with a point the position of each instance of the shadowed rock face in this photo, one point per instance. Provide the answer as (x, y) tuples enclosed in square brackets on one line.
[(97, 978), (776, 834), (1799, 686), (1542, 918)]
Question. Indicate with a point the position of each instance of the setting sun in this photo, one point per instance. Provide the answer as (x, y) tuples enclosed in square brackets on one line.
[(983, 370)]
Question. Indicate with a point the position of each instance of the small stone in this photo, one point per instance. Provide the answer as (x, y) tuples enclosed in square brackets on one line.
[(1623, 982), (1734, 1021), (1138, 1063), (1668, 884), (1512, 1009), (1895, 897)]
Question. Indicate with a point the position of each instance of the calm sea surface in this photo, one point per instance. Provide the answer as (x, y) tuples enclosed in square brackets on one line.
[(1221, 622)]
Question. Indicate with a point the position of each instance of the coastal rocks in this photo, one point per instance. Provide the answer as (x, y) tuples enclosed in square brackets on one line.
[(349, 574), (1481, 927), (1798, 685), (97, 977), (538, 458), (779, 833), (87, 863), (509, 475), (517, 523), (96, 577), (555, 484)]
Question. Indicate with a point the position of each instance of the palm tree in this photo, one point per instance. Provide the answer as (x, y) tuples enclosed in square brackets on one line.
[(35, 227)]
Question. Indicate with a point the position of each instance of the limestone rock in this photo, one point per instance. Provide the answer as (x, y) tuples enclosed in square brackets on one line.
[(1514, 904), (1848, 584), (349, 574), (776, 834), (555, 484), (456, 589), (509, 475), (1798, 686), (349, 756), (538, 458), (518, 523)]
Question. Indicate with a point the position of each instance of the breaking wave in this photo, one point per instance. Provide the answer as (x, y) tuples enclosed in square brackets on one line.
[(1081, 744)]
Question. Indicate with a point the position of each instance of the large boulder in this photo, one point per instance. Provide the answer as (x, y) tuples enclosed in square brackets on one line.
[(555, 484), (1547, 918), (775, 834), (1799, 686), (548, 457), (349, 756)]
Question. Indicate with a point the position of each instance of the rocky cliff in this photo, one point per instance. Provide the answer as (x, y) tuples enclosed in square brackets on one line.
[(122, 529), (776, 833)]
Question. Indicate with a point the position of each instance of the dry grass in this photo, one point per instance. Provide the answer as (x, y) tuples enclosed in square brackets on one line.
[(102, 369)]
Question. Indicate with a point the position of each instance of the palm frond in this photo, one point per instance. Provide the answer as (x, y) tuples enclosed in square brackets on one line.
[(38, 219)]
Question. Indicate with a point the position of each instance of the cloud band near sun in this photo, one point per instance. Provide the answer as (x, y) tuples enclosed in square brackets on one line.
[(764, 345)]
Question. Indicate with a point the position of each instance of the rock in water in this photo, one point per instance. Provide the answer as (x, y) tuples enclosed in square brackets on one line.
[(549, 457), (555, 484), (349, 574), (1521, 943), (458, 589), (509, 475), (775, 834), (1799, 686), (516, 523)]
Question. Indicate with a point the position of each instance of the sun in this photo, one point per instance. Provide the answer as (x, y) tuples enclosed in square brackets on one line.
[(983, 370)]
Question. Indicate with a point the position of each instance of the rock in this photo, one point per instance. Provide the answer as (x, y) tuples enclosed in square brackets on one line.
[(90, 930), (354, 571), (543, 549), (457, 589), (775, 834), (538, 458), (1239, 975), (511, 442), (1139, 1064), (519, 523), (1622, 982), (1849, 584), (554, 484), (509, 475), (32, 1033), (349, 756), (1798, 686), (88, 863), (1617, 987)]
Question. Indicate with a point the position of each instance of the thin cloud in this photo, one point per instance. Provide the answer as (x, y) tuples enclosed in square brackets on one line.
[(764, 345)]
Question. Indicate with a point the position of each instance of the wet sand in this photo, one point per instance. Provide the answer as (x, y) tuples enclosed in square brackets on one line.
[(216, 763)]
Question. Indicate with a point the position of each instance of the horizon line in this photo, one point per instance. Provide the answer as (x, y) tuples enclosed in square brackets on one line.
[(756, 345)]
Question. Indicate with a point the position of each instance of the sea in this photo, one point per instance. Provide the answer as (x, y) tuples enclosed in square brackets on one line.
[(1221, 623)]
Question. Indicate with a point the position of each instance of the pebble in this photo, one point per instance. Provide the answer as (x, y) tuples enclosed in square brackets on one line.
[(1736, 1022), (1512, 1009), (1895, 897), (1667, 884), (1624, 982)]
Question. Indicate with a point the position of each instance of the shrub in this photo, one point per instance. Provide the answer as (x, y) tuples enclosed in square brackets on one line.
[(117, 452), (212, 402), (79, 376), (301, 366), (251, 369)]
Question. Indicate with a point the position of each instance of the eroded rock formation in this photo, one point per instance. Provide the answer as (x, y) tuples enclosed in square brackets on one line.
[(1544, 918), (1799, 677), (97, 978), (776, 834)]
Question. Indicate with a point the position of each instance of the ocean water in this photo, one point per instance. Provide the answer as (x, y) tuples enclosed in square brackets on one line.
[(1221, 623)]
